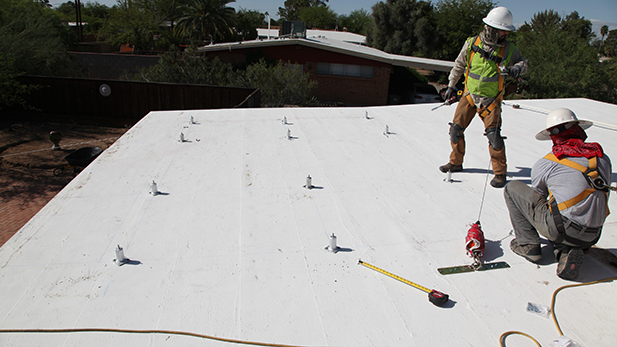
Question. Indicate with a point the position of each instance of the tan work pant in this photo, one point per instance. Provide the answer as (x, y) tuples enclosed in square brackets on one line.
[(462, 116)]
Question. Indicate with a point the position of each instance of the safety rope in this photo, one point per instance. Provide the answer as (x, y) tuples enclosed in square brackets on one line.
[(488, 168), (598, 124), (502, 339), (133, 331)]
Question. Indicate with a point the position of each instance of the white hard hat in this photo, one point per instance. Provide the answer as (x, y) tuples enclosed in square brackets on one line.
[(557, 117), (500, 18)]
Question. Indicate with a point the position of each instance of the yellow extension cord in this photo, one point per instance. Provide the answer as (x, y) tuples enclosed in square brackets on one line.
[(132, 331), (503, 336)]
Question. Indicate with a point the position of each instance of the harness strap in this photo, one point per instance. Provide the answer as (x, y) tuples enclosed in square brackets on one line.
[(575, 200), (558, 219), (591, 172), (475, 48)]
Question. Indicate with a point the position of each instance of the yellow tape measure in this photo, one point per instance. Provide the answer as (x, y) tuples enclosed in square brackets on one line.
[(436, 297)]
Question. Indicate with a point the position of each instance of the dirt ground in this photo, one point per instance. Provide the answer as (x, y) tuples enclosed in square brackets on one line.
[(27, 163)]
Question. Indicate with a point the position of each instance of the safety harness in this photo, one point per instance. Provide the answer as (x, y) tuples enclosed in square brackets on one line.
[(498, 59), (595, 181)]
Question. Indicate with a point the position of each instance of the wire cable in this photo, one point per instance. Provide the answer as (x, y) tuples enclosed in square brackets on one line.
[(570, 286), (133, 331), (502, 338)]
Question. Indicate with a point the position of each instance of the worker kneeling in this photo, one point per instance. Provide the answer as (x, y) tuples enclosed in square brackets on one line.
[(568, 199)]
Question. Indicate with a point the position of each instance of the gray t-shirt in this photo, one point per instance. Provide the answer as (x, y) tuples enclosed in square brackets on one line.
[(566, 183)]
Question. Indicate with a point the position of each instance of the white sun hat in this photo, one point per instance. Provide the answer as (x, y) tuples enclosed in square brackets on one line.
[(560, 117)]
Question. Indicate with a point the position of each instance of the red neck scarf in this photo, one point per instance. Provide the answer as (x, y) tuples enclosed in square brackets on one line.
[(571, 143)]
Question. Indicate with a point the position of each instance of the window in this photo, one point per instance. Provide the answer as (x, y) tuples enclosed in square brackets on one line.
[(345, 70)]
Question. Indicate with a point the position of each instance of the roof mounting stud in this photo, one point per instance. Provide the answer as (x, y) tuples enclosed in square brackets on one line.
[(387, 132), (289, 134), (192, 120), (182, 137), (153, 189), (120, 258), (366, 115), (285, 120), (309, 182), (449, 177), (332, 247)]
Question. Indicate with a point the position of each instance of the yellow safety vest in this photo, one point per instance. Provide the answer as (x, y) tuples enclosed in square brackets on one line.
[(482, 76)]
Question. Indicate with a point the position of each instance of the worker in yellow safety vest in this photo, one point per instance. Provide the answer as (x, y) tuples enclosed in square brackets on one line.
[(567, 202), (485, 60)]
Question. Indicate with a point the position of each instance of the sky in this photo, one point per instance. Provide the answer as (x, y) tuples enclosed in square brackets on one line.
[(599, 12)]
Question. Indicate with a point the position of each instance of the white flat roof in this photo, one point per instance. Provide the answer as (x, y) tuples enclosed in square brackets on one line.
[(330, 44), (345, 36), (234, 245)]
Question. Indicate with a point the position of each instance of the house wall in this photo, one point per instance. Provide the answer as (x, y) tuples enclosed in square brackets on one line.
[(331, 88)]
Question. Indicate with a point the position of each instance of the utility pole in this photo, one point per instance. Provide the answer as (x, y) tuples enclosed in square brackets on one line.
[(78, 19)]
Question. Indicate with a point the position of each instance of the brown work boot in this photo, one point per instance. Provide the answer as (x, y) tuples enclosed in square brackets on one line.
[(533, 253), (451, 167), (569, 263), (498, 181)]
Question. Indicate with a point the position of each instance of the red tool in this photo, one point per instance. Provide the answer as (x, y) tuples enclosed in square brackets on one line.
[(436, 297), (474, 242)]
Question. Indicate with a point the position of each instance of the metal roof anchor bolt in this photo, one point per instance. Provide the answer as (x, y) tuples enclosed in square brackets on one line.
[(182, 137), (120, 258), (366, 115), (285, 120), (332, 247), (449, 177), (153, 189), (192, 120), (309, 182), (387, 132), (289, 134)]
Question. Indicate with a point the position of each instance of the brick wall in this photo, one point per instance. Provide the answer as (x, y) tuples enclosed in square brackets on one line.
[(330, 89), (352, 90)]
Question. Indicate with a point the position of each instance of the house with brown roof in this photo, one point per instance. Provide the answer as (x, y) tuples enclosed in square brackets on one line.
[(347, 71)]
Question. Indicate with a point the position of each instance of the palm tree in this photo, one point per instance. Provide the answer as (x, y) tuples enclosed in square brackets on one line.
[(603, 32), (205, 18)]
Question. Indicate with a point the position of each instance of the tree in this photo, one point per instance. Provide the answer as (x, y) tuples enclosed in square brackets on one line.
[(280, 83), (188, 67), (578, 27), (31, 36), (610, 44), (403, 27), (11, 91), (247, 22), (292, 8), (31, 42), (357, 21), (456, 21), (95, 15), (206, 19), (130, 22), (318, 17), (603, 32), (562, 61)]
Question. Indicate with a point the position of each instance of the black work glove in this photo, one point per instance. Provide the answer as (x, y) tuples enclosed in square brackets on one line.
[(514, 71), (449, 93)]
